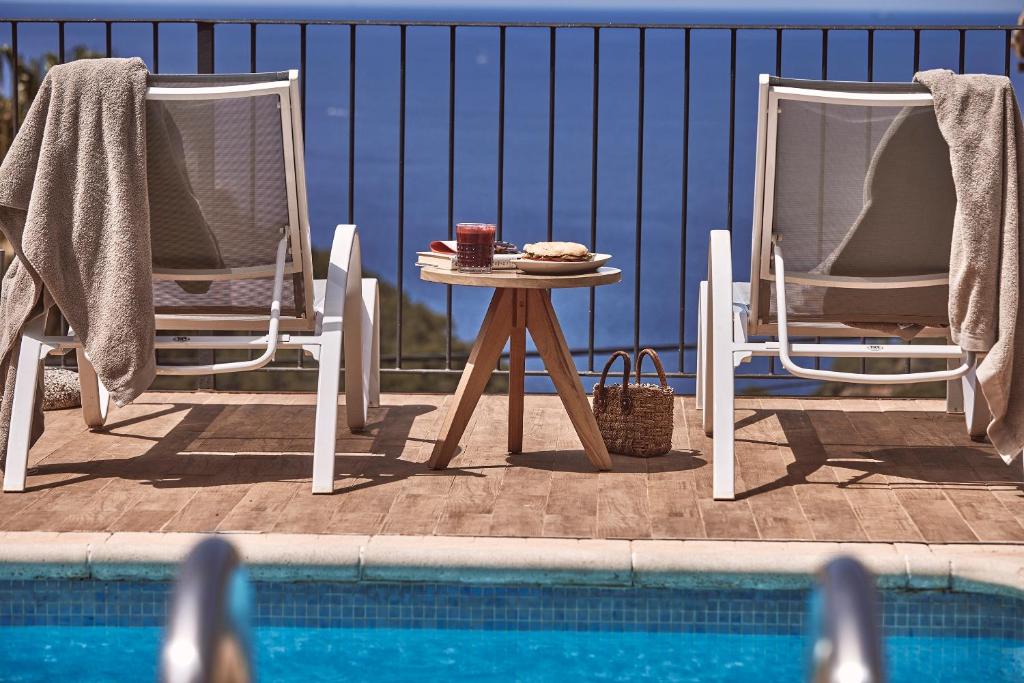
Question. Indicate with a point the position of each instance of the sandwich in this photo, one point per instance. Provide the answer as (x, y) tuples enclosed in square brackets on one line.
[(557, 251)]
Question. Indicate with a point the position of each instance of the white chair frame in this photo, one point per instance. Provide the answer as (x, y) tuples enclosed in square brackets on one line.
[(728, 317), (340, 315)]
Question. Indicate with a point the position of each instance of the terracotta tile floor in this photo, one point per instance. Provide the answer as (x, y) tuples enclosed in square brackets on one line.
[(834, 470)]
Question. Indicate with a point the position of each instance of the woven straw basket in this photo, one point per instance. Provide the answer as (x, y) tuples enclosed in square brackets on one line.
[(635, 419)]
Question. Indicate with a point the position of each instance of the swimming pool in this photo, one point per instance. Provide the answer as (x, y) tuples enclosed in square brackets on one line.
[(90, 630)]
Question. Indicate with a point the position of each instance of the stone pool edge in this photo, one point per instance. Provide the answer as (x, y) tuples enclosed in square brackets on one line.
[(650, 563)]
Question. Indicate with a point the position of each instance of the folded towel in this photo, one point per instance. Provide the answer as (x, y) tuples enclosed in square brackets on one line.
[(980, 121), (73, 205)]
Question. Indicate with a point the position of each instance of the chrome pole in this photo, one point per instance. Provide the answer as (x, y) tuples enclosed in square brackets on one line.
[(848, 639), (207, 632)]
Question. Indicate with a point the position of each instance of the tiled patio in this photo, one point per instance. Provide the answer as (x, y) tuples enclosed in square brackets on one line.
[(833, 470)]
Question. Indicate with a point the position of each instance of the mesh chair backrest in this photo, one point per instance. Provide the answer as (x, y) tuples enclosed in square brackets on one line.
[(862, 191), (219, 197)]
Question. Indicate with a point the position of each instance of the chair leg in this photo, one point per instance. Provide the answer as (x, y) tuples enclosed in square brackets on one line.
[(719, 344), (954, 390), (976, 411), (95, 397), (371, 342), (722, 399), (326, 426), (706, 362), (701, 328), (26, 383)]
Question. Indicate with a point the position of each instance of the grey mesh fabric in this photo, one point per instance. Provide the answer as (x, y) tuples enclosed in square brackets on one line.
[(867, 192), (218, 196)]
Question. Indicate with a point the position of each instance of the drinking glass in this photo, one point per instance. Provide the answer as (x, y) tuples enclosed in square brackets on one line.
[(475, 247)]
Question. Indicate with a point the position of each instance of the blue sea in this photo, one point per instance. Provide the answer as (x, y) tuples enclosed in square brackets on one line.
[(664, 247)]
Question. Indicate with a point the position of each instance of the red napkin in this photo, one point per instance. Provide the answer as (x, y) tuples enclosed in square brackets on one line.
[(443, 246)]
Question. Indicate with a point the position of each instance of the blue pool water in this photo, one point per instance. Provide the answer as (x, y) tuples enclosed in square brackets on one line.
[(110, 631), (87, 654)]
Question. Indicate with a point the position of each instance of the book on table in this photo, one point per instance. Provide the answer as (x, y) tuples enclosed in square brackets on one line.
[(446, 261)]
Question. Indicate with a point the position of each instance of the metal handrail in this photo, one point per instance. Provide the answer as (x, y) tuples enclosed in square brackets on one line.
[(848, 639), (207, 639), (998, 47)]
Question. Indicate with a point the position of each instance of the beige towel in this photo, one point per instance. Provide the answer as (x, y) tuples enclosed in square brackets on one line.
[(981, 123), (73, 204)]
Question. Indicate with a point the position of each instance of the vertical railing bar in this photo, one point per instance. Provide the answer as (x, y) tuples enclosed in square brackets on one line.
[(1006, 58), (963, 51), (778, 52), (916, 68), (871, 54), (399, 265), (552, 62), (824, 54), (61, 57), (205, 62), (683, 201), (205, 47), (252, 47), (732, 127), (302, 102), (107, 37), (15, 77), (917, 50), (732, 130), (500, 219), (252, 161), (870, 77), (351, 123), (594, 122), (156, 47), (451, 188), (824, 77), (302, 78), (778, 72), (638, 246)]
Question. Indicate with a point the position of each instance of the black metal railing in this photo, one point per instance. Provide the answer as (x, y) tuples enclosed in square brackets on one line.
[(403, 362)]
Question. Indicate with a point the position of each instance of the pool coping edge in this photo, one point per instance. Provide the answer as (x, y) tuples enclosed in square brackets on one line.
[(988, 568)]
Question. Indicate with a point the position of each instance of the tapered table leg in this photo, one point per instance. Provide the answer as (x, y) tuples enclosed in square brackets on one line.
[(483, 358), (517, 371), (547, 336)]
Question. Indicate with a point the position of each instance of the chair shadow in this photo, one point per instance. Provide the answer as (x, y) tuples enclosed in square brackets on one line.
[(956, 465), (238, 444), (575, 461)]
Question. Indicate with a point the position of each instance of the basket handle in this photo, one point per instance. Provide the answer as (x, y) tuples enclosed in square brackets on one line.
[(599, 391), (657, 366)]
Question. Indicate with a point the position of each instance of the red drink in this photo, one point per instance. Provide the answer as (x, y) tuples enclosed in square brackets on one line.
[(475, 241)]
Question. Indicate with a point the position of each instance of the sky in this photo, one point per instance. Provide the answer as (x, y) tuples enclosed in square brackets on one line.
[(753, 11)]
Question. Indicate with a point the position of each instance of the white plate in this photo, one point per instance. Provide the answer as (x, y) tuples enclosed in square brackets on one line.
[(562, 267)]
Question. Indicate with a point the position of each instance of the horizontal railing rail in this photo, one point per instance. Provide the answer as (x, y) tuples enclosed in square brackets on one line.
[(401, 361)]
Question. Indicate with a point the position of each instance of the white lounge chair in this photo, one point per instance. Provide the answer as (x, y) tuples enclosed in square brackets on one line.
[(853, 185), (232, 262)]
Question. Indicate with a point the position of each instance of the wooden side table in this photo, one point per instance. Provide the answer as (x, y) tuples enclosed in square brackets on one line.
[(520, 303)]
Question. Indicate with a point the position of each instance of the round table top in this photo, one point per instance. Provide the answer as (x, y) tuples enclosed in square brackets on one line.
[(513, 279)]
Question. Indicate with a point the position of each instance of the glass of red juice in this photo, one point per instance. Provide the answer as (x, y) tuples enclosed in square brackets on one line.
[(475, 247)]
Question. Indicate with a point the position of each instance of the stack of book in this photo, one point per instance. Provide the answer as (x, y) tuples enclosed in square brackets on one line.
[(442, 257), (447, 261)]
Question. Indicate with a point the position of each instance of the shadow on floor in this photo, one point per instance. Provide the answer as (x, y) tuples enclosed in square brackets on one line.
[(222, 444), (576, 461), (954, 466)]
